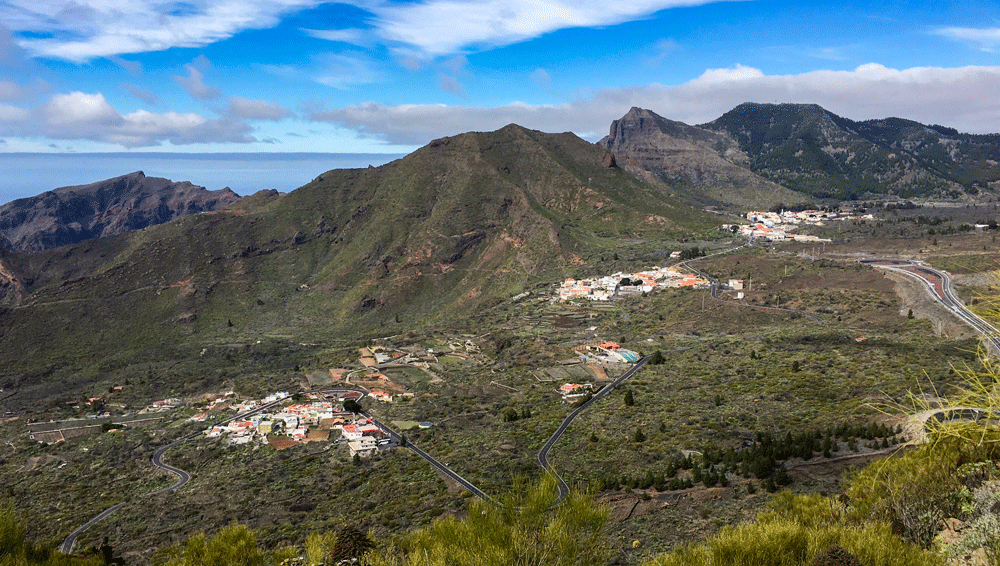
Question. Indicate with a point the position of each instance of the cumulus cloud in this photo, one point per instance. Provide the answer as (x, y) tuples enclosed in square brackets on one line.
[(143, 95), (958, 97), (80, 30), (195, 86), (986, 38), (89, 116), (256, 109), (13, 114)]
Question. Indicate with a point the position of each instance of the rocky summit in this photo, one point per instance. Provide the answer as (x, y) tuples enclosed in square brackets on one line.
[(704, 167), (69, 215)]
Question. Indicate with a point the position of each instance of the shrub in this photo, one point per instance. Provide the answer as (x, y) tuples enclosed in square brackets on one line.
[(836, 555), (787, 543), (918, 489), (15, 550), (526, 527)]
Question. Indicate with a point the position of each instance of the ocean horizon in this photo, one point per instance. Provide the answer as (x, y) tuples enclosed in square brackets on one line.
[(29, 174)]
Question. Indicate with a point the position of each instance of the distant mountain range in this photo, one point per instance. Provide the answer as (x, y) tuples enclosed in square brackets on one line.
[(741, 158), (463, 222), (69, 215)]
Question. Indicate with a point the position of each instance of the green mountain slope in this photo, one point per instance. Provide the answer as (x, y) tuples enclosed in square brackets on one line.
[(457, 224), (809, 149)]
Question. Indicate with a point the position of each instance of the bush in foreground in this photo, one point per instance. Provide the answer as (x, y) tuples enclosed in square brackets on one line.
[(526, 527)]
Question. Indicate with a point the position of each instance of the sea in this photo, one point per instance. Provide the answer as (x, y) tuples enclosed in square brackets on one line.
[(28, 174)]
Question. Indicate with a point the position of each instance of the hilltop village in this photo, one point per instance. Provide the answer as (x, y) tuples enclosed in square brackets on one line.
[(771, 226), (778, 226), (610, 287)]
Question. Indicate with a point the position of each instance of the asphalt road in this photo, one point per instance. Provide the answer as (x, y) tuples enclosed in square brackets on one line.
[(939, 285), (182, 476), (543, 454), (543, 460), (397, 438)]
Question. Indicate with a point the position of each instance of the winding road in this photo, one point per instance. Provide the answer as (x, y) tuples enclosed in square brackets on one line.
[(182, 477), (939, 285), (397, 438), (543, 454)]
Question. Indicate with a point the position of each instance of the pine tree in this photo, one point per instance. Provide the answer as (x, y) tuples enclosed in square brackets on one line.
[(629, 399)]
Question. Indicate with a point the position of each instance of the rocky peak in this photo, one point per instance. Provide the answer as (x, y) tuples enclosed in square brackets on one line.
[(114, 206)]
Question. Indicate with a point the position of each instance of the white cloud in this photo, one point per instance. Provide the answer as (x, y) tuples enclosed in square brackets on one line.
[(962, 98), (84, 29), (359, 37), (80, 30), (143, 95), (79, 108), (541, 79), (344, 70), (439, 27), (86, 116), (450, 85), (735, 73), (256, 109), (195, 86), (986, 38), (13, 114), (133, 68)]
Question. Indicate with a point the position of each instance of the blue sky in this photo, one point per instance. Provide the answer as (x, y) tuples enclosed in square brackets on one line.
[(389, 76)]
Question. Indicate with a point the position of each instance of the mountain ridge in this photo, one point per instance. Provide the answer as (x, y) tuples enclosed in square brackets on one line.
[(762, 155), (814, 151), (707, 168), (72, 214), (465, 221)]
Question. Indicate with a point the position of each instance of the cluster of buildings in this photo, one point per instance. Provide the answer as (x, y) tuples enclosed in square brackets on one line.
[(295, 421), (813, 217), (777, 226), (619, 284), (607, 352), (573, 391), (775, 234)]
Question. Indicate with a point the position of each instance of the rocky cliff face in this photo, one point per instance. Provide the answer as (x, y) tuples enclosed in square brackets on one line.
[(705, 168), (72, 214)]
